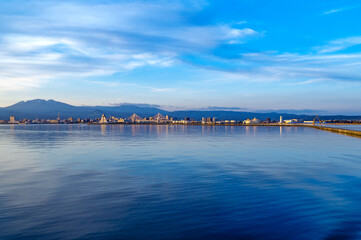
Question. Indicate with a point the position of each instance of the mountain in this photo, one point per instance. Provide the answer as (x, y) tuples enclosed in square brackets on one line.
[(40, 105), (49, 109), (297, 111), (234, 115)]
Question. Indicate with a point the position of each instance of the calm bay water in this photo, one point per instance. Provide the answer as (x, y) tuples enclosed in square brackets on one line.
[(356, 127), (178, 182)]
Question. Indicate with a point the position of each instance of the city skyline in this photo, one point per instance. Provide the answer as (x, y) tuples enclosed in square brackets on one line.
[(251, 55)]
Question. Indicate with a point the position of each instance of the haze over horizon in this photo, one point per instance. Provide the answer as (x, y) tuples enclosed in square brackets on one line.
[(251, 55)]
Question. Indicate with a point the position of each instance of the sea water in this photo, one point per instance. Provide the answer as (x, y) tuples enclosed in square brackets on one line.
[(178, 182)]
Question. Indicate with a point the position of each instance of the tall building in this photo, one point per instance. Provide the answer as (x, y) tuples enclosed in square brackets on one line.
[(281, 120), (12, 120), (159, 117), (135, 118), (249, 121), (103, 119)]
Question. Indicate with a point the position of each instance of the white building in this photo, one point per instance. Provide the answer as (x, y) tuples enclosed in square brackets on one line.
[(249, 121), (290, 121), (12, 120), (103, 120)]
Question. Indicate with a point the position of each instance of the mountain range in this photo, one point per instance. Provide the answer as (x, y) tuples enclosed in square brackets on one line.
[(49, 109)]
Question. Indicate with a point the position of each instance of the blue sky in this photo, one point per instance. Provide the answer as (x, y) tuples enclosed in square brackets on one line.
[(249, 54)]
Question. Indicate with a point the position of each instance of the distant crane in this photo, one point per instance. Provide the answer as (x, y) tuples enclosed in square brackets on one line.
[(316, 118)]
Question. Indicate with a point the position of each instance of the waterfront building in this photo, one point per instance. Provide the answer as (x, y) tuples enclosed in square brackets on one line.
[(36, 121), (159, 117), (281, 120), (249, 121), (103, 120), (290, 121), (12, 120), (208, 120), (53, 121), (135, 118), (113, 119)]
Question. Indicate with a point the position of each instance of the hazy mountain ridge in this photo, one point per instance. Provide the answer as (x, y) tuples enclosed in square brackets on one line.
[(49, 109)]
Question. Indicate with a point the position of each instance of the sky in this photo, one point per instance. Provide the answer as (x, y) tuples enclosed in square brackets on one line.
[(186, 54)]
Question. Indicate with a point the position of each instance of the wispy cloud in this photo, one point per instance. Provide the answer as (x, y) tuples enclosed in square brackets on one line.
[(219, 108), (291, 69), (334, 11), (112, 84), (340, 44), (134, 104), (340, 9)]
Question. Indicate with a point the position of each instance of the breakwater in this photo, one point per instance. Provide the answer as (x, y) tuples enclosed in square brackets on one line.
[(351, 133)]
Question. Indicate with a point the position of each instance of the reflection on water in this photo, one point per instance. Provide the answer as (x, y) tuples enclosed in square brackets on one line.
[(356, 127), (178, 182)]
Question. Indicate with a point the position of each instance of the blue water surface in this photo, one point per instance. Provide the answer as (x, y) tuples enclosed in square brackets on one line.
[(355, 127), (178, 182)]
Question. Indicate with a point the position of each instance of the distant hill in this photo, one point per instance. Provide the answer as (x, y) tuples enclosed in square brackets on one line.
[(235, 115), (49, 109)]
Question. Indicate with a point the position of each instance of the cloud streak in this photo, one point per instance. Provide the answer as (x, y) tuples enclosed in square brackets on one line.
[(340, 44), (340, 10), (291, 69)]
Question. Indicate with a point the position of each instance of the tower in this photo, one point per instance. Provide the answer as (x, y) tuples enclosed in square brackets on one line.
[(103, 119)]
